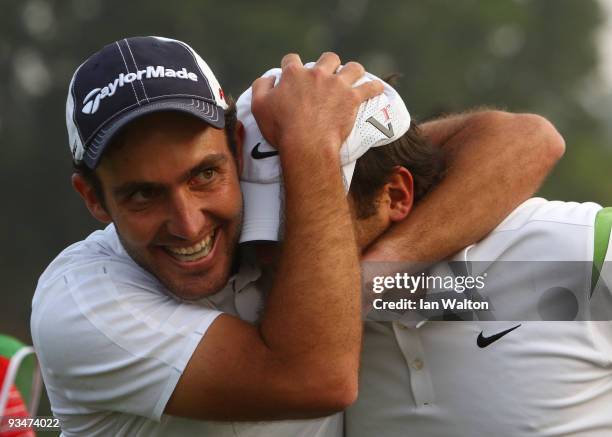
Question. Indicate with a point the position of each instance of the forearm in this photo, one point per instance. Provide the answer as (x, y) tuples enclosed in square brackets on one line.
[(495, 160), (312, 322), (301, 361), (313, 311)]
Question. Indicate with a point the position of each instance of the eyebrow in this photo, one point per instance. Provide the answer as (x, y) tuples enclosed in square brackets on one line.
[(212, 160)]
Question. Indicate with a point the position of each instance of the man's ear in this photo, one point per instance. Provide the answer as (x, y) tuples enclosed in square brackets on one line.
[(239, 145), (88, 195), (399, 191)]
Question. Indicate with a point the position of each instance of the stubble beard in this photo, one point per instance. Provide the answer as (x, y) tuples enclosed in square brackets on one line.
[(180, 291)]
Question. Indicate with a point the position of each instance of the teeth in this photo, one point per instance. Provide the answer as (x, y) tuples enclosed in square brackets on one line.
[(192, 253)]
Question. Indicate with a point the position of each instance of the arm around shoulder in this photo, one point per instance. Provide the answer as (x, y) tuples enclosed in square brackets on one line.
[(524, 133), (495, 161), (527, 133)]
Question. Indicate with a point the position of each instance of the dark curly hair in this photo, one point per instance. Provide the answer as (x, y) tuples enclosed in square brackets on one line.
[(373, 169)]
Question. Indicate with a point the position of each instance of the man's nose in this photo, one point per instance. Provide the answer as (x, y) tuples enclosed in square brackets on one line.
[(187, 218)]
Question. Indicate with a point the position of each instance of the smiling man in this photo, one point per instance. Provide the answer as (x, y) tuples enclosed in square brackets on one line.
[(128, 324), (190, 252)]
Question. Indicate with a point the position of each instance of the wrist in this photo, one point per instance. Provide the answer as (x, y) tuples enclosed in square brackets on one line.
[(309, 152)]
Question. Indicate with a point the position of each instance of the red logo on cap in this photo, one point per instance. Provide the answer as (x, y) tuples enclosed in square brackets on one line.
[(385, 111), (221, 94)]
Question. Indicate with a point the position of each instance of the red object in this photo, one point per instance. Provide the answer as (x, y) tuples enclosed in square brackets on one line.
[(385, 111), (15, 409)]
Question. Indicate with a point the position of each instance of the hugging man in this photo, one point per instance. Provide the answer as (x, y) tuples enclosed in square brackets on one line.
[(135, 326)]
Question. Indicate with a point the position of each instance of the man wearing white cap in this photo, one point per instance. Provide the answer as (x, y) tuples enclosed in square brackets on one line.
[(379, 121), (482, 150), (535, 361), (520, 369)]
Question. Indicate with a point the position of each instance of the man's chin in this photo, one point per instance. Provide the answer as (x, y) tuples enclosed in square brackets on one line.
[(188, 281), (191, 285), (194, 289)]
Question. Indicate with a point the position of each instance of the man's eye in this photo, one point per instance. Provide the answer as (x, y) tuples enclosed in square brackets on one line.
[(143, 195), (204, 176)]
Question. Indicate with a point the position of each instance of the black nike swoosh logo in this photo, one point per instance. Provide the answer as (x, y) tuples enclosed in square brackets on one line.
[(256, 154), (483, 341)]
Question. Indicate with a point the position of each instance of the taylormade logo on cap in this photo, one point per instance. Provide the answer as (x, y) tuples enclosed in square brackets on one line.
[(92, 100), (115, 86)]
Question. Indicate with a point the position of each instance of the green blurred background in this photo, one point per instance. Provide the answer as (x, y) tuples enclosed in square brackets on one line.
[(542, 56)]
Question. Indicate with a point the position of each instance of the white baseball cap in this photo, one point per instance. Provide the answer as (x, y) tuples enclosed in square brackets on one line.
[(380, 121)]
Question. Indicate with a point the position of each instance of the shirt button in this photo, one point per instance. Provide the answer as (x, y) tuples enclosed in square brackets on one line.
[(417, 364)]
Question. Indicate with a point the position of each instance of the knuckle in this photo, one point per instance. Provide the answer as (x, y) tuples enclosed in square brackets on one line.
[(332, 56), (317, 72), (355, 66), (355, 96), (290, 59), (291, 69), (373, 88)]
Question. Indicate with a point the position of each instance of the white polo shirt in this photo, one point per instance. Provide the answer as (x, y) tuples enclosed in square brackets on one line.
[(431, 378), (112, 344)]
